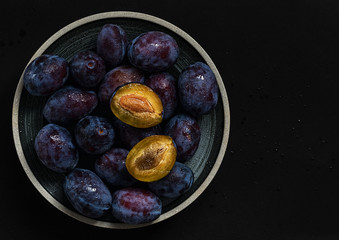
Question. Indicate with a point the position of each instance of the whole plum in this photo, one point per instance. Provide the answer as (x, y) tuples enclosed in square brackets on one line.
[(116, 77), (111, 44), (164, 84), (56, 149), (45, 74), (94, 135), (135, 205), (69, 104), (112, 169), (153, 51), (87, 68), (198, 89), (176, 183), (87, 193), (129, 136), (185, 132)]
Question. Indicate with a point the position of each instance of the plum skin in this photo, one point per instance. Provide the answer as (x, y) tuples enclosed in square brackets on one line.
[(135, 205), (111, 44), (111, 167), (164, 84), (94, 135), (45, 74), (153, 51), (55, 148), (69, 104), (87, 68), (175, 184), (87, 193), (198, 89), (129, 136), (185, 131)]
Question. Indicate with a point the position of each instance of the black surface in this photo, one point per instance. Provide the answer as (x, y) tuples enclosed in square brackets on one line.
[(279, 62)]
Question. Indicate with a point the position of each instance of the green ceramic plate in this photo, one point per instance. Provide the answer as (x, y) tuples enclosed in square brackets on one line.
[(27, 117)]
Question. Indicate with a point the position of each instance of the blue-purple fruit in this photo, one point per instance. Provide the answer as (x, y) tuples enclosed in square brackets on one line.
[(94, 134), (135, 206), (45, 74), (111, 44), (175, 184), (165, 85), (111, 167), (186, 134), (87, 68), (129, 136), (198, 89), (69, 104), (153, 51), (56, 149), (87, 193)]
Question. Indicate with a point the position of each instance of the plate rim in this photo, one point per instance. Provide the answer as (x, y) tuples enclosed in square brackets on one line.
[(111, 15)]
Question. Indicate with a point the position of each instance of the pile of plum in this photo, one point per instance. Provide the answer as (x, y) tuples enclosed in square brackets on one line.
[(142, 99)]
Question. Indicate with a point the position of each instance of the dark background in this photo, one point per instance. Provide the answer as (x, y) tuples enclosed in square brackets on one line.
[(280, 64)]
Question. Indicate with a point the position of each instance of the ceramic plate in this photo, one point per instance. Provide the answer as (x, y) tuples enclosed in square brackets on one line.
[(27, 117)]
